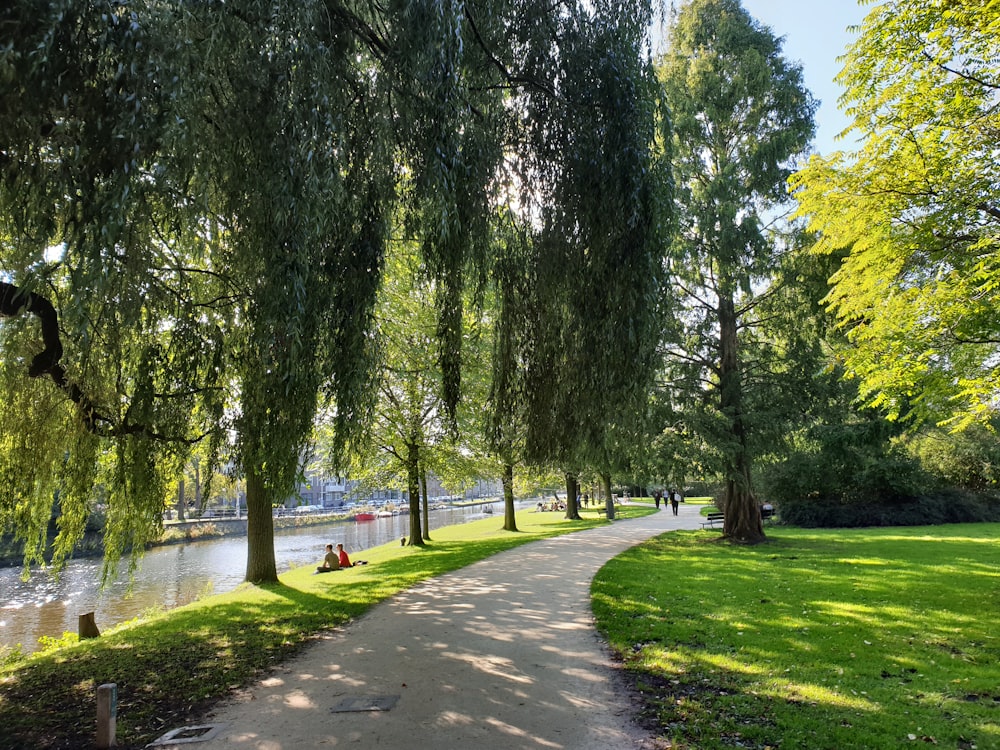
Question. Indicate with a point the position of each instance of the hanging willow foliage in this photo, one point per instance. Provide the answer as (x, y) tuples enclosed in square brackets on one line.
[(218, 177)]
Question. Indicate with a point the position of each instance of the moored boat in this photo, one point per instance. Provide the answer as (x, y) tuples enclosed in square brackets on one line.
[(364, 517)]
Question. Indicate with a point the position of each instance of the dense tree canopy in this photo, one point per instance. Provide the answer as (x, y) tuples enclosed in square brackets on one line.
[(580, 293), (86, 205), (917, 206), (215, 180)]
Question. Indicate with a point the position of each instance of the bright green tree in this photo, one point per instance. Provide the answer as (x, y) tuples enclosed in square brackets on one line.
[(408, 421), (917, 205), (740, 116)]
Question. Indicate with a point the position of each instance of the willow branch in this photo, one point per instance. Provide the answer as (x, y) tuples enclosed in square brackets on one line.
[(13, 300)]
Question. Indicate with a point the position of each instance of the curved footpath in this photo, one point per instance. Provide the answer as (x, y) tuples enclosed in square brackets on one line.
[(501, 654)]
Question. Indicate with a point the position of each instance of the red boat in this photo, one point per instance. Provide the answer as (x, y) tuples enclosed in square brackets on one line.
[(365, 517)]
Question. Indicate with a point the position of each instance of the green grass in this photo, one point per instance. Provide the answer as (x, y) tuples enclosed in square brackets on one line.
[(171, 667), (863, 638), (699, 501)]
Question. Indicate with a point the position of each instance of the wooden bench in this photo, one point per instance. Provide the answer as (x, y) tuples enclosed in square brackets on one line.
[(766, 514), (711, 519)]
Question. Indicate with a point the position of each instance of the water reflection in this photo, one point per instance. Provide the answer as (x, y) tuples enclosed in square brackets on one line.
[(177, 574)]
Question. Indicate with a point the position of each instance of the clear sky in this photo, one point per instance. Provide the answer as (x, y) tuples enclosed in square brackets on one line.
[(815, 34)]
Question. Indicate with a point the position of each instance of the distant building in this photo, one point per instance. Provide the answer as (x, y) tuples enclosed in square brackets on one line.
[(336, 491)]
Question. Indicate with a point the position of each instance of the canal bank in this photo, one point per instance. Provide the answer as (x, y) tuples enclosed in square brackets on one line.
[(180, 532), (179, 572), (168, 670)]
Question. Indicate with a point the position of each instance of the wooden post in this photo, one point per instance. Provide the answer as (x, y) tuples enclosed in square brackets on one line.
[(87, 627), (107, 714)]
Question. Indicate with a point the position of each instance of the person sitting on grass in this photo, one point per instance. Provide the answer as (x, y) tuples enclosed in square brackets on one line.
[(330, 561), (344, 560)]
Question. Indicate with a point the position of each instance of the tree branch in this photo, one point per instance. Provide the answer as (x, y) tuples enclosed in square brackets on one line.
[(959, 73), (13, 300), (508, 76), (986, 208)]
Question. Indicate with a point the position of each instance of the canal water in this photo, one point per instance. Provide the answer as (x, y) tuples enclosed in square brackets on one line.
[(177, 574)]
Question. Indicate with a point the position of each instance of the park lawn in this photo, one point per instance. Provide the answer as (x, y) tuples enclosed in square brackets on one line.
[(818, 639), (170, 667)]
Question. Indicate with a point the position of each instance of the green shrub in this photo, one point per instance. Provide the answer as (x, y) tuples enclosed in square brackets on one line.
[(936, 507), (969, 459), (11, 655), (47, 643)]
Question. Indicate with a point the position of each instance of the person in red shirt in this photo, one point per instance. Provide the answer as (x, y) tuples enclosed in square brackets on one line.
[(345, 561)]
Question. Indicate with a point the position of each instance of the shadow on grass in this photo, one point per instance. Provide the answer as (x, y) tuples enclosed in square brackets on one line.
[(180, 663), (817, 639)]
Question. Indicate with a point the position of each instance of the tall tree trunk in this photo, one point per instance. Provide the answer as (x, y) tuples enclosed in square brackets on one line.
[(609, 500), (572, 488), (423, 498), (199, 498), (197, 482), (743, 522), (509, 521), (261, 567), (413, 486), (181, 500)]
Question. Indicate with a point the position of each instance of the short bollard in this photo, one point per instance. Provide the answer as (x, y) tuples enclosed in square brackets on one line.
[(107, 713)]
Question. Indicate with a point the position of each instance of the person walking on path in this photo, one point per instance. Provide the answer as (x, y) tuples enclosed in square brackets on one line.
[(675, 499), (502, 653)]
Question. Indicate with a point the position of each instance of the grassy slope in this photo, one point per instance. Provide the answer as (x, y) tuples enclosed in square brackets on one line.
[(865, 638), (171, 667)]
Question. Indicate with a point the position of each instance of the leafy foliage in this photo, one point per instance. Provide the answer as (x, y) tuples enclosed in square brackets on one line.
[(218, 179), (85, 204), (590, 193), (917, 207), (969, 460), (740, 115)]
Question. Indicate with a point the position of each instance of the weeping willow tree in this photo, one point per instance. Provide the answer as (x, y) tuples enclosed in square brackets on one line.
[(217, 177), (297, 157), (112, 362), (577, 324)]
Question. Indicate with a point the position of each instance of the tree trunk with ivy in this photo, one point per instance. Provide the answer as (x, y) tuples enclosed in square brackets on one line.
[(743, 522)]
